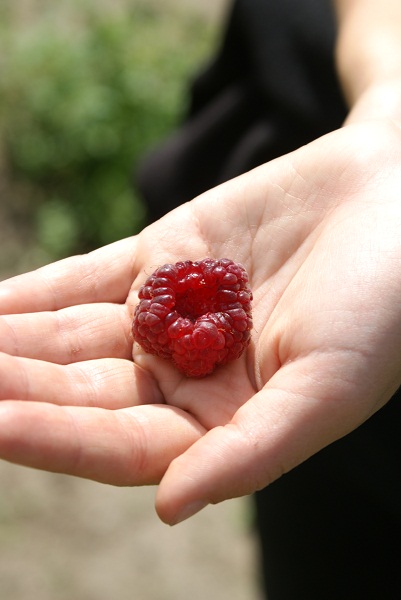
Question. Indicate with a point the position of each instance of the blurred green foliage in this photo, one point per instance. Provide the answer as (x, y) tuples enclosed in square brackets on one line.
[(84, 92)]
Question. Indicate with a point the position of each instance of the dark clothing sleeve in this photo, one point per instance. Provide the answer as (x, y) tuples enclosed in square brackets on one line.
[(271, 89)]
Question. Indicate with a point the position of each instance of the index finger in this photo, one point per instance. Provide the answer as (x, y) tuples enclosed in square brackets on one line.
[(104, 275)]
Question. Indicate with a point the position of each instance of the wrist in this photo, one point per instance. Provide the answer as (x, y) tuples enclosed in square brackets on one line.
[(381, 100), (368, 56)]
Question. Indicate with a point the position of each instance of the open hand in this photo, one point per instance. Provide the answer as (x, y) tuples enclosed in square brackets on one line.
[(319, 233)]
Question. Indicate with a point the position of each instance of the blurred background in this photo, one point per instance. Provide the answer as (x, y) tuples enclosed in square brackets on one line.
[(86, 87)]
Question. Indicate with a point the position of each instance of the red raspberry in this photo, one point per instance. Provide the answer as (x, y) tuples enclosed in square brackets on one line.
[(197, 314)]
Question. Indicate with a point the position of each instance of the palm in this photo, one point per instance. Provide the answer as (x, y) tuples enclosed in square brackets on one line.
[(319, 364)]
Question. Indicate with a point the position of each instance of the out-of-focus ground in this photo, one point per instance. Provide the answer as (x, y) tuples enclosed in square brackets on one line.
[(68, 539), (63, 538)]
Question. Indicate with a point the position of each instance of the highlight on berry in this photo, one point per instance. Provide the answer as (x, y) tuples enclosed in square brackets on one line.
[(196, 314)]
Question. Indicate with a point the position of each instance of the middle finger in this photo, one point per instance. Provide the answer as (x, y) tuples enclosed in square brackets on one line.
[(72, 334)]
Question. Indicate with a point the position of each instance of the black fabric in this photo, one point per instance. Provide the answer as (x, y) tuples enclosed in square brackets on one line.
[(331, 528), (271, 88)]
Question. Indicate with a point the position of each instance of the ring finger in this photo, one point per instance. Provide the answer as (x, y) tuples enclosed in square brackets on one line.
[(105, 383)]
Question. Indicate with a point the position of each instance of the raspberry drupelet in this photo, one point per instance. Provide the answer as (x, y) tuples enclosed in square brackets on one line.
[(196, 314)]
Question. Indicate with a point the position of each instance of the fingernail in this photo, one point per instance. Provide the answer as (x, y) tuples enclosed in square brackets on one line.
[(189, 511)]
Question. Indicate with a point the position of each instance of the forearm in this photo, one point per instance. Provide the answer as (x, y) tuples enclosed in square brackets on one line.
[(368, 56)]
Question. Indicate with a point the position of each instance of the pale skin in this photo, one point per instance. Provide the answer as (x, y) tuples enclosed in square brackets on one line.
[(319, 233)]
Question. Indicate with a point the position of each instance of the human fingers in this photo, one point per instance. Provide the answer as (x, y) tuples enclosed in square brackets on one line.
[(303, 408), (105, 383), (104, 275), (71, 334), (119, 447)]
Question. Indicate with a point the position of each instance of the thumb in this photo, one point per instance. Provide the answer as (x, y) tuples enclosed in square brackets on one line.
[(272, 433)]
